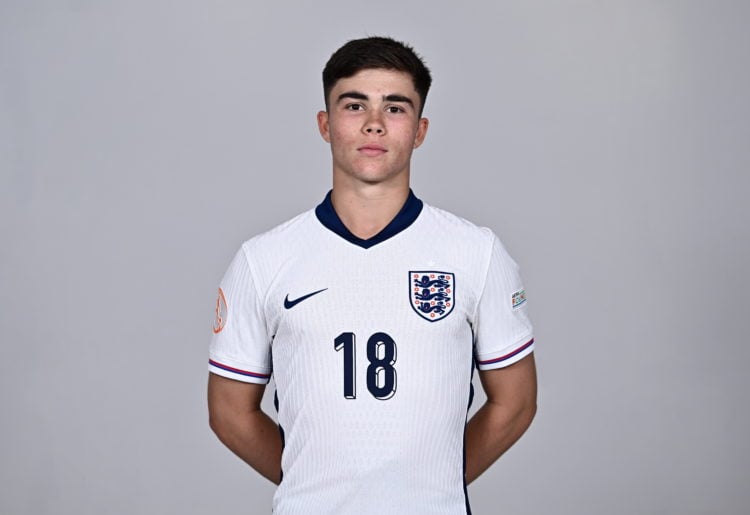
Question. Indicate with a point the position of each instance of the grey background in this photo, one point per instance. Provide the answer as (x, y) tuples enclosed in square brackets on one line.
[(606, 142)]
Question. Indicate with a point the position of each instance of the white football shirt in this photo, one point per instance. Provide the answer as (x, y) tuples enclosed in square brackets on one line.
[(372, 345)]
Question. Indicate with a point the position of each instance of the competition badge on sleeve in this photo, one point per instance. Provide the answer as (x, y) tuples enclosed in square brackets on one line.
[(518, 298), (221, 312), (431, 294)]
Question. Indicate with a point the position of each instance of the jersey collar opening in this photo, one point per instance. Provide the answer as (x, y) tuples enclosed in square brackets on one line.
[(408, 214)]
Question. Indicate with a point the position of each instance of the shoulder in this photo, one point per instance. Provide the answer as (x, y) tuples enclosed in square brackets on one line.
[(478, 244), (283, 237), (458, 229)]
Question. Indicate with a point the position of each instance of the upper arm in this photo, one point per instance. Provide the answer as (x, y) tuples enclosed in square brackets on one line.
[(228, 397), (240, 424), (514, 385), (503, 333), (241, 346)]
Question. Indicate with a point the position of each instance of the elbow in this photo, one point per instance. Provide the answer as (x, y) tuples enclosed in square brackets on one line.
[(223, 429), (528, 404), (528, 409), (214, 423), (529, 412), (218, 424), (523, 414)]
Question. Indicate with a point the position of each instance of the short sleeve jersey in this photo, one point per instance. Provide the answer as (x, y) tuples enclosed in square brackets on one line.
[(372, 345)]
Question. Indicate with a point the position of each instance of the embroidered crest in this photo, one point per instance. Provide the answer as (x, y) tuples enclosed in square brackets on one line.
[(431, 294), (518, 298), (221, 312)]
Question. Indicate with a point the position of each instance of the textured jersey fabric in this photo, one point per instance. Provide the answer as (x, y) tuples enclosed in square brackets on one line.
[(372, 345)]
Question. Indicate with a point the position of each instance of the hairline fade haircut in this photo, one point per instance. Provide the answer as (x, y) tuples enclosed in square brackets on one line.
[(376, 53)]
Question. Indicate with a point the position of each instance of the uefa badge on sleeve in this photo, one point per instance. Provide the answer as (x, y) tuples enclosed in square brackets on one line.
[(518, 298), (432, 294)]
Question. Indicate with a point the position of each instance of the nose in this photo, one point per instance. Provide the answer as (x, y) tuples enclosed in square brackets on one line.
[(374, 125)]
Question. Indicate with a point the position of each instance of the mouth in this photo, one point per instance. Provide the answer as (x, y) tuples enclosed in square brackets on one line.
[(372, 150)]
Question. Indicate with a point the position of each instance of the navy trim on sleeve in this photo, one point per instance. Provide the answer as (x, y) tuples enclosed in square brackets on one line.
[(408, 214)]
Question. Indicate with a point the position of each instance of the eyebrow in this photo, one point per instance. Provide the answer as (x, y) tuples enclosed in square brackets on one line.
[(356, 95)]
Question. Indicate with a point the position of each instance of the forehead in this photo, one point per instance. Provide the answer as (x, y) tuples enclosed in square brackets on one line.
[(377, 82)]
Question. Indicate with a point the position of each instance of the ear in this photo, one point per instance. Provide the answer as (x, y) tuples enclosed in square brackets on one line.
[(323, 125), (422, 127)]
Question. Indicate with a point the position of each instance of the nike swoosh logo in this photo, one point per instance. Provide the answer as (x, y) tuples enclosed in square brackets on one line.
[(289, 304)]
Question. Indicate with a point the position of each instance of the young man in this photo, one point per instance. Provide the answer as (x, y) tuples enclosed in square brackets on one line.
[(371, 311)]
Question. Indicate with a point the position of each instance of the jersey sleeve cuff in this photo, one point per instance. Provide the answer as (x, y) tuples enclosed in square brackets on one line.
[(491, 361), (258, 376)]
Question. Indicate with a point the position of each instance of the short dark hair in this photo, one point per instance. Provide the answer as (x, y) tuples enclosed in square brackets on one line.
[(372, 53)]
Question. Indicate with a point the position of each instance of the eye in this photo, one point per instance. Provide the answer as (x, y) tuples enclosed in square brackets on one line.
[(395, 109), (355, 107)]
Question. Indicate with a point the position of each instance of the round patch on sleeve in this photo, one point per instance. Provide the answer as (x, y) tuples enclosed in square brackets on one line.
[(221, 312)]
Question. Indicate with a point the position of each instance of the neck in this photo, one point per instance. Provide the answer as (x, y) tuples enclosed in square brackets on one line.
[(367, 209)]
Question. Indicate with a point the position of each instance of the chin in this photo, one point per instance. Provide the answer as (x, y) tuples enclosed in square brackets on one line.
[(374, 176), (375, 179)]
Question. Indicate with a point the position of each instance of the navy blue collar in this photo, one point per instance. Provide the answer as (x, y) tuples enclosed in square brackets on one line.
[(408, 214)]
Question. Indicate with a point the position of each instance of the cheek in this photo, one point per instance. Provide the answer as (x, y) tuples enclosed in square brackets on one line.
[(407, 139), (340, 136)]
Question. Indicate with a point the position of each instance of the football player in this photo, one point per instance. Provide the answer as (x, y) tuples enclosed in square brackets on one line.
[(372, 311)]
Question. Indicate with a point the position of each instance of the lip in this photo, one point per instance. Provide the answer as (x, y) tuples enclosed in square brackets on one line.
[(372, 150)]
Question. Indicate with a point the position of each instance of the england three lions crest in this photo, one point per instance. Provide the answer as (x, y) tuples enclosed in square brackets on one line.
[(432, 294)]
